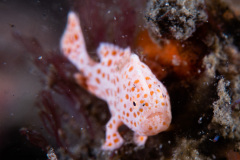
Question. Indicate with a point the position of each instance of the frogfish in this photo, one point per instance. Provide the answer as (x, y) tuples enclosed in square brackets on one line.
[(135, 97)]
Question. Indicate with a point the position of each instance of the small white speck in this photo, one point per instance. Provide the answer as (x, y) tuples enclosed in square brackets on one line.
[(109, 12), (225, 36), (124, 36), (169, 142), (40, 57), (166, 4), (175, 61), (160, 146), (114, 18), (184, 63), (213, 156), (199, 71), (200, 120)]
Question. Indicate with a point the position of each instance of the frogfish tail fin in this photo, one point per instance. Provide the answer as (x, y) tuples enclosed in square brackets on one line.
[(72, 43)]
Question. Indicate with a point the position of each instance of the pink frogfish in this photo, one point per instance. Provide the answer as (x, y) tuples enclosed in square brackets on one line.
[(134, 95)]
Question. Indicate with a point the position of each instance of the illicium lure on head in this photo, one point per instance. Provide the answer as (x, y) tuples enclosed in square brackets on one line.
[(134, 95)]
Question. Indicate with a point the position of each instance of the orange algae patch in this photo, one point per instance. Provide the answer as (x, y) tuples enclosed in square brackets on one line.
[(174, 55)]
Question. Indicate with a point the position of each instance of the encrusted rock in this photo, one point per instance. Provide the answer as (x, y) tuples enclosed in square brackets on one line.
[(175, 19)]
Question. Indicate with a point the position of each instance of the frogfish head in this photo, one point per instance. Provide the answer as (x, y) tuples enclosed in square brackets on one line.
[(155, 115)]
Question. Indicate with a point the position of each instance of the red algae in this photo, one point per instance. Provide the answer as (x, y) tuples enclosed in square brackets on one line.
[(172, 56), (231, 155)]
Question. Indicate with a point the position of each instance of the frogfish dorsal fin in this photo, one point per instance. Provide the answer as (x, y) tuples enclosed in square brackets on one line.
[(113, 55)]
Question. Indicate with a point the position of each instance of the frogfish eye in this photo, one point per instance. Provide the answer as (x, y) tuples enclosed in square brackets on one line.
[(134, 103)]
